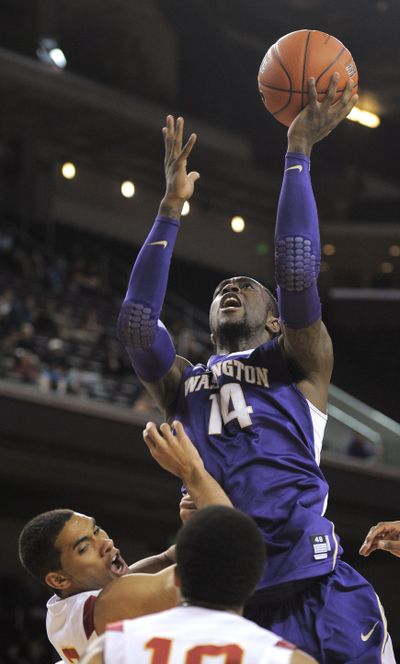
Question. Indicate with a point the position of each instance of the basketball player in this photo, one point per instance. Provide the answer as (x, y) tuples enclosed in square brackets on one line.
[(93, 585), (220, 556), (384, 536), (257, 410)]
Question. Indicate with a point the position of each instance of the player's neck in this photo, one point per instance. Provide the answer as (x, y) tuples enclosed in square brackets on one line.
[(226, 345)]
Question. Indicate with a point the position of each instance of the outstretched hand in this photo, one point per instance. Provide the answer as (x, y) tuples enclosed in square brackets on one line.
[(385, 536), (173, 452), (319, 118), (179, 183)]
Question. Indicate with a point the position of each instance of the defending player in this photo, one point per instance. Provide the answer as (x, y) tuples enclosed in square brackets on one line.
[(220, 556), (257, 410), (93, 585)]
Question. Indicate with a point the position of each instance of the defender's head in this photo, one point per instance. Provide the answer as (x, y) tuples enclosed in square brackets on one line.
[(220, 557), (242, 308), (68, 552)]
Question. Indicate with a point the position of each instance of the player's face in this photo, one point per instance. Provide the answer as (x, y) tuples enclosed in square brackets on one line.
[(89, 559), (237, 300)]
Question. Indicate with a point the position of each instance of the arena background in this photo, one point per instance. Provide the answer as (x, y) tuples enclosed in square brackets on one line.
[(71, 412)]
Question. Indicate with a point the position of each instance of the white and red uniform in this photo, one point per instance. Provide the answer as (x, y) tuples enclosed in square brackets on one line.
[(69, 624), (193, 635)]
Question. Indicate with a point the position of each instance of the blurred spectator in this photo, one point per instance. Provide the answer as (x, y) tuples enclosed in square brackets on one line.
[(57, 326), (56, 274), (27, 366), (360, 447)]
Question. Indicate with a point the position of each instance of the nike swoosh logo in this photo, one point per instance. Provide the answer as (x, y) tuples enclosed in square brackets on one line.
[(297, 167), (365, 637), (163, 243)]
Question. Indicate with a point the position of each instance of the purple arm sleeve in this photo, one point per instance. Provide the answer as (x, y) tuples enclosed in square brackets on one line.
[(146, 339), (297, 246)]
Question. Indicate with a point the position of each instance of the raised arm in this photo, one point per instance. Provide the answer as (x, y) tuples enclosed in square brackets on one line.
[(305, 340), (156, 563), (146, 339), (177, 454)]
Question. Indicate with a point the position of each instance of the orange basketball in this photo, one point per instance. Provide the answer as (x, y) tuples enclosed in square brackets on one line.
[(288, 64)]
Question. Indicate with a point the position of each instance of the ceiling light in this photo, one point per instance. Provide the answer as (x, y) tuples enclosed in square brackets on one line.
[(394, 250), (127, 189), (68, 170), (237, 224), (365, 118), (50, 53), (386, 268), (329, 249)]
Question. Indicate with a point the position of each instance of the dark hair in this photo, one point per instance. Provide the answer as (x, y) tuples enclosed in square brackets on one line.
[(220, 556), (36, 549)]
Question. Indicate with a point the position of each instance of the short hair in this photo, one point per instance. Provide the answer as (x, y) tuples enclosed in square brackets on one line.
[(36, 545), (220, 556)]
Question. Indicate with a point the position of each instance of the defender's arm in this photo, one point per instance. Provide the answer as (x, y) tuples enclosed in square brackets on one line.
[(135, 595)]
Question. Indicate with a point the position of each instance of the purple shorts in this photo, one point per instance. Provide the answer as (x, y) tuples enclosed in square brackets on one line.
[(335, 618)]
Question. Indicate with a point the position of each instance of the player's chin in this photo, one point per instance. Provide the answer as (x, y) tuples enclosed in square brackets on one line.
[(231, 315)]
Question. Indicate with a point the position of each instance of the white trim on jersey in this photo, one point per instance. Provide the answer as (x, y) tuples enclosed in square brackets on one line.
[(319, 420)]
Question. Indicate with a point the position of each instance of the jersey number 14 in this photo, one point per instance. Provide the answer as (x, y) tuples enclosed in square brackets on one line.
[(228, 405)]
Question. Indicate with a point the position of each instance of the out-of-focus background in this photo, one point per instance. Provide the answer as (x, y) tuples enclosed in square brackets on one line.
[(84, 91)]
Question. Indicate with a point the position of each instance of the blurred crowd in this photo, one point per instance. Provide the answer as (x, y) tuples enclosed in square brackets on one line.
[(58, 326)]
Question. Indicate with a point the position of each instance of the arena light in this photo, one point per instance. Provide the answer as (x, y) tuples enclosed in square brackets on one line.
[(127, 189), (50, 53), (68, 170), (387, 268), (186, 208), (328, 249), (237, 224), (394, 250), (366, 118)]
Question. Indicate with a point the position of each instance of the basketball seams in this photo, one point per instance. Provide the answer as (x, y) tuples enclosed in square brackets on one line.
[(276, 53), (304, 67), (284, 74), (334, 61)]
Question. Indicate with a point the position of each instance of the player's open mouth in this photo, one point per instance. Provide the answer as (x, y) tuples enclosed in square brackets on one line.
[(118, 565), (230, 301)]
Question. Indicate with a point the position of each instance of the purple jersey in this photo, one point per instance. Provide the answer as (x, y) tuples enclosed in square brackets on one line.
[(261, 439)]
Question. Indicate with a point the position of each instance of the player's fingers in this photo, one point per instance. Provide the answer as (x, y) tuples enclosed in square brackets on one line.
[(152, 431), (389, 545), (167, 432), (148, 440), (194, 176), (331, 92), (177, 145), (169, 136), (179, 430), (312, 92), (187, 502), (187, 148), (182, 436), (347, 93)]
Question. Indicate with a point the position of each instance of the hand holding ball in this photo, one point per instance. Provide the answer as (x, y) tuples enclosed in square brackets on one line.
[(288, 64)]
